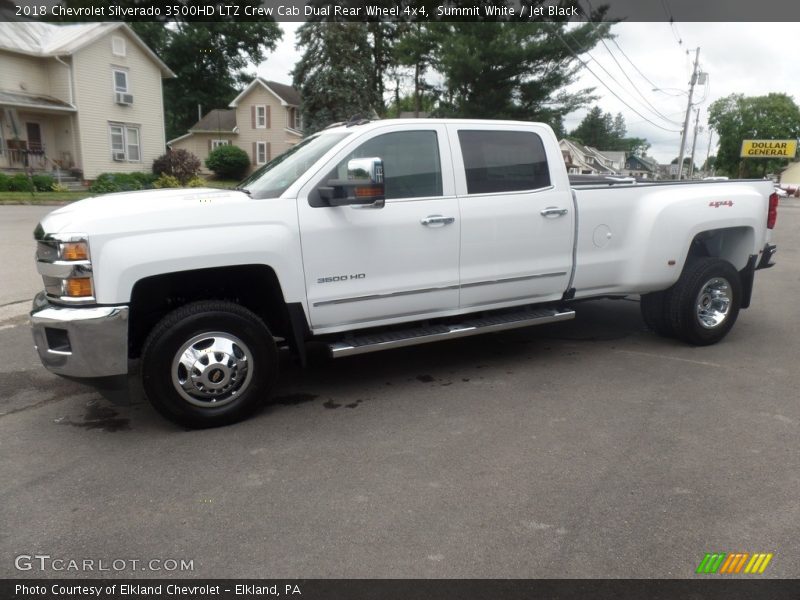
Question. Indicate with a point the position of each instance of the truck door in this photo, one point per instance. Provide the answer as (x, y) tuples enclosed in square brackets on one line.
[(369, 265), (517, 221)]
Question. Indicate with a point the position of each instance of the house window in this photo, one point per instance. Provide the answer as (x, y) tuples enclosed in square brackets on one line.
[(217, 143), (125, 143), (294, 119), (261, 117), (118, 45), (120, 81), (261, 153)]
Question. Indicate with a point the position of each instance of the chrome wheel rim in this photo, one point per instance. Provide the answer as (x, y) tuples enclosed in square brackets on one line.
[(713, 302), (212, 369)]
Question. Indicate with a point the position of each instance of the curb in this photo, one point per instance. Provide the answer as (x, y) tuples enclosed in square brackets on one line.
[(14, 310), (30, 203)]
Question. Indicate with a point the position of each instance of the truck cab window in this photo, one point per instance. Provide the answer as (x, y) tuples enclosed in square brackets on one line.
[(503, 161)]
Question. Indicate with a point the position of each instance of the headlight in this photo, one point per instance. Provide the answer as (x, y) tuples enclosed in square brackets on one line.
[(65, 265)]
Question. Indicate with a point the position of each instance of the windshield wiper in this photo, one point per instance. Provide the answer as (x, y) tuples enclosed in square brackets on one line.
[(241, 189)]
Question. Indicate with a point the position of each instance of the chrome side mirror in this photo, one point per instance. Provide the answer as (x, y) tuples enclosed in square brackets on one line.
[(365, 170), (363, 187)]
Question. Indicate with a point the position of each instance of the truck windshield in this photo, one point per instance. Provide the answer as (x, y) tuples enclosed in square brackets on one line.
[(271, 180)]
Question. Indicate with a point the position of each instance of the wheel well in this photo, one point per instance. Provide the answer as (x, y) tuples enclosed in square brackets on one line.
[(256, 287), (734, 244)]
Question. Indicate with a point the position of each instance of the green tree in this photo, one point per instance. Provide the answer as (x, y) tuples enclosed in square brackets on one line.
[(414, 49), (335, 75), (606, 132), (514, 70), (738, 117), (210, 61)]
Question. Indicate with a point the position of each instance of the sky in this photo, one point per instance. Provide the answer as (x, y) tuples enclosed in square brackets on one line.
[(753, 59)]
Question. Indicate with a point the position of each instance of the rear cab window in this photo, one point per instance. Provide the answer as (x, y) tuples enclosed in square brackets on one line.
[(498, 161)]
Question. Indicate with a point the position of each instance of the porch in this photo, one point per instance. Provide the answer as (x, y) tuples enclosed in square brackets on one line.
[(37, 132)]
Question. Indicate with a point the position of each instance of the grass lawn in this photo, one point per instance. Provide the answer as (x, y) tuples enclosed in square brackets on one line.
[(41, 197), (224, 184), (51, 197)]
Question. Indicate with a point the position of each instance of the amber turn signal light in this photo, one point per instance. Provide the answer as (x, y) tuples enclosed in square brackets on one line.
[(74, 251), (80, 287)]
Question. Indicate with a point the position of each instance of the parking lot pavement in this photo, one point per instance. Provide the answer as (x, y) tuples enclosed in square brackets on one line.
[(18, 247), (586, 449)]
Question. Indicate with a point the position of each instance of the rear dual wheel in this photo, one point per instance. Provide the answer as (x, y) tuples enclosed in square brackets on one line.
[(701, 308)]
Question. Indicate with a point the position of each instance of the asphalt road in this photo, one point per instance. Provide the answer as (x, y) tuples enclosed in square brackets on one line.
[(586, 449)]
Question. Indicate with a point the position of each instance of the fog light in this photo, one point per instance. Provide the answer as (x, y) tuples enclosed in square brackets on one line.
[(79, 287)]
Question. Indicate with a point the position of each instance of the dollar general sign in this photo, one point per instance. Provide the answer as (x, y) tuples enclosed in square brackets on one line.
[(769, 148)]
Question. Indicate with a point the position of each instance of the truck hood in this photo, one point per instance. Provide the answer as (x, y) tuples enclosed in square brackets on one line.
[(144, 209)]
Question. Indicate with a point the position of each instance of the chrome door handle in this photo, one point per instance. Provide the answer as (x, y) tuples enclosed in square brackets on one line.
[(437, 221), (553, 211)]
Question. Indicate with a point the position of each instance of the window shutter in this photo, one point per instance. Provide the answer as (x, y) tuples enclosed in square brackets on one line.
[(253, 116), (268, 116), (209, 144), (255, 153), (269, 152)]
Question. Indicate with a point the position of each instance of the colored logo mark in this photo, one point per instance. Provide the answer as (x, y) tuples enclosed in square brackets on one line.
[(734, 562)]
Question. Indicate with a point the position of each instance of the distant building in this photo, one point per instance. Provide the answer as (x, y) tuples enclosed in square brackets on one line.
[(585, 160), (264, 121), (642, 167)]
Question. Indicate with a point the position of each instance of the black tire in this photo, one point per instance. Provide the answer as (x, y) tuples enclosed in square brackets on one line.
[(654, 313), (696, 301), (233, 350)]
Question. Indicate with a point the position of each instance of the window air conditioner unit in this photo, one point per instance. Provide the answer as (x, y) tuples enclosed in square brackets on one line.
[(123, 98), (119, 156)]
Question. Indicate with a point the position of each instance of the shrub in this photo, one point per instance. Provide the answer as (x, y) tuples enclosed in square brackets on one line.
[(107, 183), (43, 183), (181, 164), (167, 181), (228, 162), (104, 184), (20, 183), (59, 187), (4, 182), (196, 182)]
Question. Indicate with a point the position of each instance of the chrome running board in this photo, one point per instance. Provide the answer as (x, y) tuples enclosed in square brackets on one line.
[(434, 333)]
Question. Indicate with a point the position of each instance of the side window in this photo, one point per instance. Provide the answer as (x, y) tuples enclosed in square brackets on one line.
[(503, 161), (411, 164)]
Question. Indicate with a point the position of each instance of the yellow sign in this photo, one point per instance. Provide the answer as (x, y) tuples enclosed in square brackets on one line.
[(769, 148)]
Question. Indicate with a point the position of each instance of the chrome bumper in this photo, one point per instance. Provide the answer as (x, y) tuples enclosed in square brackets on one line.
[(80, 342)]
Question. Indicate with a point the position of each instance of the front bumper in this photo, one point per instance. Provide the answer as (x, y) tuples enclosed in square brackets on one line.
[(80, 341)]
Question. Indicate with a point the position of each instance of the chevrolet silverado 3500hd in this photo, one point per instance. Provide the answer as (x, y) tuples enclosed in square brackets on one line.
[(374, 235)]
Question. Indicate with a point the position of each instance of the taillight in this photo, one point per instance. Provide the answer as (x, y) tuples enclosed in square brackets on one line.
[(772, 215)]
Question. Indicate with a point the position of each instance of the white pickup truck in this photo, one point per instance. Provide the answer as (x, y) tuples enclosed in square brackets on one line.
[(374, 235)]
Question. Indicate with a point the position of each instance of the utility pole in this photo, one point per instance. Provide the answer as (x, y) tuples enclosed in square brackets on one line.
[(692, 82), (694, 142)]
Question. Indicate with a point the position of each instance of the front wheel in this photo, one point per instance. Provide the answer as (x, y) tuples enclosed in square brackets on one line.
[(208, 363), (705, 302)]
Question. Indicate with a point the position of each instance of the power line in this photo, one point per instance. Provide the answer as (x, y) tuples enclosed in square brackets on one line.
[(654, 109), (586, 66), (599, 64)]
